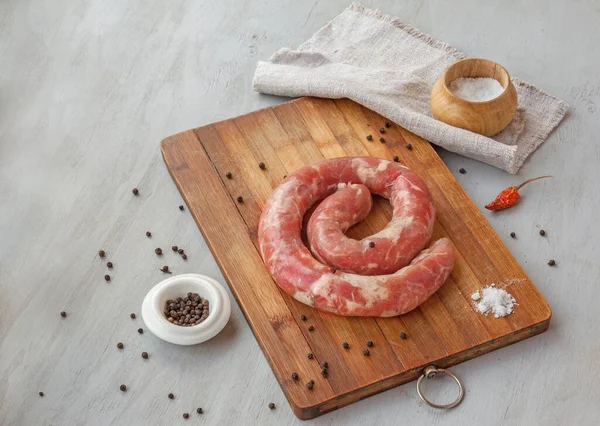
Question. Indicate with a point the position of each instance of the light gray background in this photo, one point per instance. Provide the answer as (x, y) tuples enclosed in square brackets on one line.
[(87, 91)]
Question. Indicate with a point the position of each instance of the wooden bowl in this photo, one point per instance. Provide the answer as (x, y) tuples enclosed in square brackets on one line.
[(486, 118)]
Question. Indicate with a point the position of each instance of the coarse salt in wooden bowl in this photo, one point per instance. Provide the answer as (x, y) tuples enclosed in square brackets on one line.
[(484, 117)]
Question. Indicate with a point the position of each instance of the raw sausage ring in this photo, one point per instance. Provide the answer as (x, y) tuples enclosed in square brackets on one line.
[(377, 276)]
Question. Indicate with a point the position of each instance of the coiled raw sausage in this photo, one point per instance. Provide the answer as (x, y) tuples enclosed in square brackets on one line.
[(376, 276)]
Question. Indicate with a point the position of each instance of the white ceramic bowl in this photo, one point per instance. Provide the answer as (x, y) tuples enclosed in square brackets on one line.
[(178, 286)]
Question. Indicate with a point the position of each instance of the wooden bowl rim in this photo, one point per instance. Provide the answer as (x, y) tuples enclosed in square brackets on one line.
[(504, 92)]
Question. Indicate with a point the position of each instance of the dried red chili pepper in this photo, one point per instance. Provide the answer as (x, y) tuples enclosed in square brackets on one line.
[(510, 196)]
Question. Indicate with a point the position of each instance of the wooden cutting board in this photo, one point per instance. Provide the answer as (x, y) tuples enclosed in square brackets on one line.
[(444, 331)]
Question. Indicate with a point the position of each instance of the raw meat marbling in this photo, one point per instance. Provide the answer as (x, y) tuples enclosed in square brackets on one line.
[(350, 277)]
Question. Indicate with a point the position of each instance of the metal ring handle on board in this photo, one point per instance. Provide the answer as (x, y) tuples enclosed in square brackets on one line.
[(431, 371)]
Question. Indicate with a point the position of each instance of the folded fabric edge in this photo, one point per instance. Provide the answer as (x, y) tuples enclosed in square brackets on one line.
[(524, 151), (272, 83), (407, 28), (523, 83)]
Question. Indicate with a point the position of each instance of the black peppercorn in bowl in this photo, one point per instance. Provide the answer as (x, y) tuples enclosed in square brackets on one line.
[(178, 286)]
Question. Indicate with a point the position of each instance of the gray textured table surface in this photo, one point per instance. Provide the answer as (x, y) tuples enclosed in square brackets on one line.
[(87, 90)]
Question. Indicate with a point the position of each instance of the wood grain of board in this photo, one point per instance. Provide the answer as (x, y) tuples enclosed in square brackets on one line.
[(443, 331)]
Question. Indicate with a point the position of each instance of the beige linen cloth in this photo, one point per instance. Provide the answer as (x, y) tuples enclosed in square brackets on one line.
[(390, 67)]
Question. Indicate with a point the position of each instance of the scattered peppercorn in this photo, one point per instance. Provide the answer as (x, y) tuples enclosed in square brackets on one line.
[(542, 232), (396, 159), (181, 207), (186, 415), (284, 176), (403, 335), (324, 373), (141, 330), (135, 191), (462, 171), (199, 411), (174, 248), (145, 355), (370, 344), (132, 315), (180, 251), (187, 311), (513, 235), (303, 317), (120, 345), (228, 175), (158, 251), (107, 277), (381, 130), (552, 262), (101, 253), (310, 355), (369, 137), (310, 385), (240, 199), (371, 244), (408, 146), (148, 234), (165, 269), (262, 166), (63, 314), (366, 352), (41, 393), (387, 124), (324, 364), (294, 376), (271, 406), (345, 345), (109, 265), (184, 256), (311, 328), (171, 396), (381, 140), (123, 388)]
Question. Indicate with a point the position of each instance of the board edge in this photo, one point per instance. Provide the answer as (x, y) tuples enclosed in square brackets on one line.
[(326, 406)]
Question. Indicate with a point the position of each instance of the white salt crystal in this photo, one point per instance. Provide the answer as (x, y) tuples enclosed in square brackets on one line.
[(494, 300), (476, 89)]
